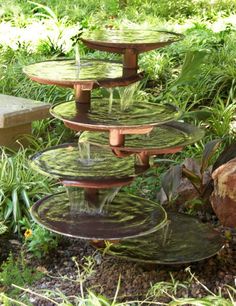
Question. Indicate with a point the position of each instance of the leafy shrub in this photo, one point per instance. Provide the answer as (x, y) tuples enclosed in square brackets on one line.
[(15, 271), (3, 228), (20, 186), (40, 241)]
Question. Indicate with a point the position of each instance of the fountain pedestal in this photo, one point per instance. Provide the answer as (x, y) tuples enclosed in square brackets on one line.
[(115, 147)]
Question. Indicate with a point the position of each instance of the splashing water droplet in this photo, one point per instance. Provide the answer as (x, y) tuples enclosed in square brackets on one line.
[(86, 156), (90, 202), (77, 55), (126, 95), (84, 153), (108, 198), (110, 100)]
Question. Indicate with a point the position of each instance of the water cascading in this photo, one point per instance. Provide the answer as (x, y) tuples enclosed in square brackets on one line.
[(119, 136)]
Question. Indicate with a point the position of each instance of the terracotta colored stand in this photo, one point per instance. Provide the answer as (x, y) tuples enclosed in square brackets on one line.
[(118, 147)]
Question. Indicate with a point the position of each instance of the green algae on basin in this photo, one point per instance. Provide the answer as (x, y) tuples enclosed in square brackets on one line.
[(129, 37), (112, 215), (67, 73), (83, 162), (170, 135), (138, 114), (183, 239)]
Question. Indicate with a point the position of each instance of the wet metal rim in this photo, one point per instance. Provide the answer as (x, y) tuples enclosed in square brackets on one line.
[(103, 40), (153, 114), (158, 144), (125, 217), (38, 73), (62, 162), (183, 240)]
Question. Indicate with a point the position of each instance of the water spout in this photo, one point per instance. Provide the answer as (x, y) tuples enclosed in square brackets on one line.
[(77, 55), (108, 198), (87, 156), (79, 202), (85, 153), (110, 100), (126, 95)]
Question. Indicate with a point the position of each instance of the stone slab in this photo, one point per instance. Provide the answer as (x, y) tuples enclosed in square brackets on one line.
[(14, 137), (15, 111)]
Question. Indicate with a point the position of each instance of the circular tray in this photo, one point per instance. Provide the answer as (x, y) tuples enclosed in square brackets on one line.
[(161, 139), (138, 39), (103, 116), (85, 166), (125, 216), (90, 72), (183, 240)]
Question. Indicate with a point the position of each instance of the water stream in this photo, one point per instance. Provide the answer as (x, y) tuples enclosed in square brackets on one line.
[(108, 198), (90, 204), (110, 100), (85, 153), (126, 96), (77, 55), (87, 156)]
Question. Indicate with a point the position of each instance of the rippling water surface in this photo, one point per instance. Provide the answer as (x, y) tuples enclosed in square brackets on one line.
[(99, 216), (107, 114), (183, 239), (170, 135), (69, 70), (139, 36), (67, 162)]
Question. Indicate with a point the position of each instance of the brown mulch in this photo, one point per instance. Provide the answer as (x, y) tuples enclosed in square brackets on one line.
[(136, 279)]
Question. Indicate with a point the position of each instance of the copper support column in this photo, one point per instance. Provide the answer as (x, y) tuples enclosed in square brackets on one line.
[(116, 139), (130, 62), (82, 94), (143, 159)]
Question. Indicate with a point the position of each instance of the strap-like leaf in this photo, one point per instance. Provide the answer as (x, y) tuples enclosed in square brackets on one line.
[(208, 152), (193, 178), (228, 154), (25, 198), (3, 228), (171, 181), (16, 208), (192, 66)]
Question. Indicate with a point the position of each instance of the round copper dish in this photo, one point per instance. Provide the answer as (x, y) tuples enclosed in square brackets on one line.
[(167, 138), (118, 41), (89, 73), (86, 165), (183, 239), (103, 115), (110, 215)]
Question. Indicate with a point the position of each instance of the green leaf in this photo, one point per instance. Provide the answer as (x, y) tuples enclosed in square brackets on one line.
[(200, 115), (25, 198), (195, 179), (171, 180), (8, 210), (208, 152), (228, 154), (3, 228), (16, 207), (191, 66)]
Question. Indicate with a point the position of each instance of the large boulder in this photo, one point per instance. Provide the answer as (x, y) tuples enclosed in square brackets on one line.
[(223, 198)]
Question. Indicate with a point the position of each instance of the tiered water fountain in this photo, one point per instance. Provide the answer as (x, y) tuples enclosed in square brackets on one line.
[(115, 147)]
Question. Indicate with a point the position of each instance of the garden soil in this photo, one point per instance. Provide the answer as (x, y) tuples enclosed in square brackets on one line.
[(61, 273)]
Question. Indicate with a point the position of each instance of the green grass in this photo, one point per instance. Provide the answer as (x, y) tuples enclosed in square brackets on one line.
[(20, 187), (198, 71)]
